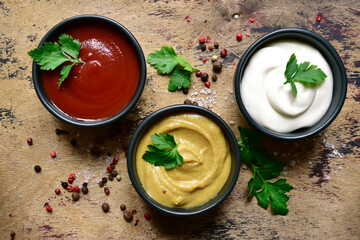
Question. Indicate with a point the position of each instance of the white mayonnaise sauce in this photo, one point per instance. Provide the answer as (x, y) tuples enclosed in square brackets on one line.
[(271, 103)]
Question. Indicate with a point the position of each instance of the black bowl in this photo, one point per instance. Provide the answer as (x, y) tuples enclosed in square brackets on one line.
[(224, 192), (53, 34), (331, 56)]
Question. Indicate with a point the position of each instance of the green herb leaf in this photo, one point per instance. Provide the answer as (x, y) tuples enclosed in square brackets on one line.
[(180, 78), (167, 62), (69, 45), (302, 73), (164, 60), (164, 151), (51, 55), (265, 168), (276, 193)]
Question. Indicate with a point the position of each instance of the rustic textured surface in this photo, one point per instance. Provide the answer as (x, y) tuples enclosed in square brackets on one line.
[(325, 202)]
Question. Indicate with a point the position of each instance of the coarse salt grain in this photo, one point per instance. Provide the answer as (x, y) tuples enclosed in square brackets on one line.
[(285, 173), (309, 162), (327, 177), (275, 153)]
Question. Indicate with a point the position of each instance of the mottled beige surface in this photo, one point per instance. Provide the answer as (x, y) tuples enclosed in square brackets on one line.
[(325, 202)]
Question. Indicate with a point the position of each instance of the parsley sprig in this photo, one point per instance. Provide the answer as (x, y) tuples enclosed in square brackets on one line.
[(163, 152), (167, 62), (265, 168), (51, 55), (302, 73)]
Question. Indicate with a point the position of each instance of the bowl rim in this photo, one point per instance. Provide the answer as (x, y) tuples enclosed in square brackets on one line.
[(141, 129), (263, 41), (45, 100)]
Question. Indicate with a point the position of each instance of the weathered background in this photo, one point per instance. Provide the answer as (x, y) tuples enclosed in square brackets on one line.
[(325, 202)]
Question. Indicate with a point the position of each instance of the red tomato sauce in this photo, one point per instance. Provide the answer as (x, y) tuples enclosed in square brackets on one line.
[(107, 82)]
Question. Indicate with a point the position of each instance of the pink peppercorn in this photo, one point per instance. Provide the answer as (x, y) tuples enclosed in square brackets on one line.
[(112, 166), (198, 74), (202, 39), (53, 154), (48, 208), (29, 141), (187, 18), (239, 36), (70, 188), (109, 169), (251, 19), (72, 175), (76, 189), (223, 52), (147, 216), (70, 180), (319, 17), (106, 191), (204, 60), (57, 191), (115, 160), (208, 39), (207, 84)]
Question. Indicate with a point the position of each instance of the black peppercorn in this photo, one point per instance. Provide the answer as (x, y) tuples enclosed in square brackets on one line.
[(214, 78), (204, 77), (64, 184), (203, 47), (114, 174), (12, 235), (104, 180), (37, 168), (216, 45), (187, 101), (105, 207), (111, 178), (73, 142), (195, 103), (128, 216), (122, 207), (185, 90), (101, 184), (75, 196), (85, 190), (85, 184), (217, 66)]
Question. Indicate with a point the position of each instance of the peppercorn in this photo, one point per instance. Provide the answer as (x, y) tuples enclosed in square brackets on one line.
[(195, 103), (57, 191), (60, 131), (239, 36), (203, 47), (128, 216), (202, 39), (64, 185), (109, 169), (73, 142), (147, 216), (105, 207), (53, 154), (29, 141), (76, 189), (118, 177), (211, 47), (204, 77), (101, 184), (106, 190), (112, 166), (136, 222), (122, 207), (207, 84), (85, 184), (70, 180), (185, 90), (114, 174), (104, 180), (214, 58), (48, 208), (216, 45), (115, 160), (187, 101), (85, 190), (70, 188), (217, 66), (12, 235), (198, 74), (37, 168), (75, 196), (223, 52), (111, 178), (214, 78)]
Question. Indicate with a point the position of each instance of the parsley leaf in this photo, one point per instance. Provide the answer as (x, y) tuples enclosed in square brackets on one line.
[(265, 168), (163, 152), (164, 60), (167, 62), (302, 73), (52, 55), (180, 78)]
